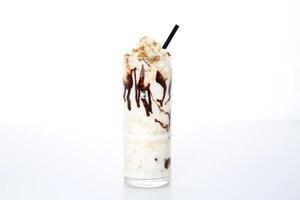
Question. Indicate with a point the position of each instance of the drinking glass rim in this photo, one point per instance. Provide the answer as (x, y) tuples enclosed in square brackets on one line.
[(149, 58)]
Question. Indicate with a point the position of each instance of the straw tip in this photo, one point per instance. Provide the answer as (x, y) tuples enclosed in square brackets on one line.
[(166, 44)]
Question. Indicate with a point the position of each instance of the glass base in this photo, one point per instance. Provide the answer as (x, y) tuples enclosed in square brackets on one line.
[(147, 183)]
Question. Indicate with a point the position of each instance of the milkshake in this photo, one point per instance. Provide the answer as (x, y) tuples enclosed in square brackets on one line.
[(147, 114)]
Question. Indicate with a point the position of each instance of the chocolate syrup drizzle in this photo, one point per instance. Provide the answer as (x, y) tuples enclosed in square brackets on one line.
[(165, 126), (128, 82), (169, 92), (167, 163), (146, 62), (136, 90), (143, 93), (162, 81)]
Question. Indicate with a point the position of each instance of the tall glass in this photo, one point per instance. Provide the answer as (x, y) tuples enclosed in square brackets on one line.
[(147, 115)]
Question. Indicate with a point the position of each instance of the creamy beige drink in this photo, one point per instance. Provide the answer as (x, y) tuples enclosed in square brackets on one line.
[(147, 114)]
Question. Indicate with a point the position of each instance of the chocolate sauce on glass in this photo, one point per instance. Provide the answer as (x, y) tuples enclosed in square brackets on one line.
[(165, 126), (169, 91), (128, 82), (167, 163), (136, 90), (162, 81), (144, 91)]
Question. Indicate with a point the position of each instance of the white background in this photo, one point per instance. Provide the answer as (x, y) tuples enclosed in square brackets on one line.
[(236, 97)]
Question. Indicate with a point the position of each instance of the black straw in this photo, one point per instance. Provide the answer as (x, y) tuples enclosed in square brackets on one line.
[(167, 42)]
